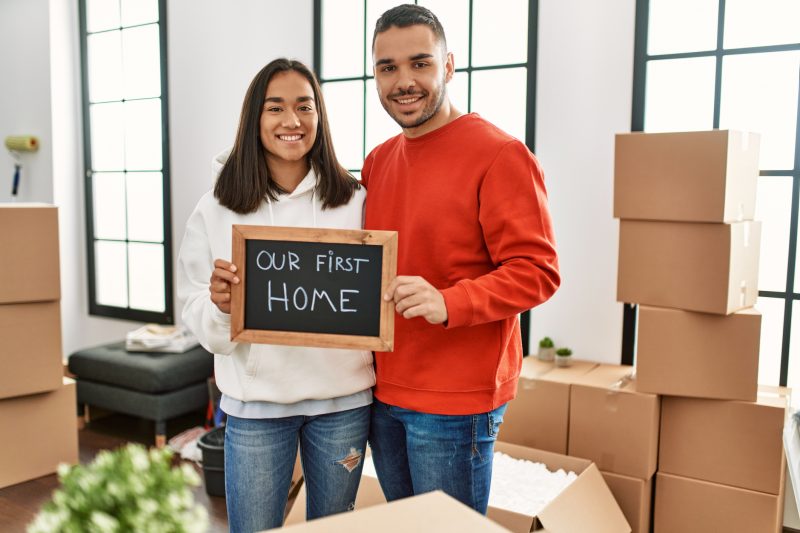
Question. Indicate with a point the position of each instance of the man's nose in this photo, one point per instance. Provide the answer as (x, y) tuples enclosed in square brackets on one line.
[(407, 81)]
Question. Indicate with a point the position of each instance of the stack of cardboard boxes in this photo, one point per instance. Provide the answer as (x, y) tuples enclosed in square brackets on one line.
[(37, 405), (688, 254)]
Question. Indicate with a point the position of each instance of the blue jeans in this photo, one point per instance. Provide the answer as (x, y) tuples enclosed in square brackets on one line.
[(260, 456), (419, 452)]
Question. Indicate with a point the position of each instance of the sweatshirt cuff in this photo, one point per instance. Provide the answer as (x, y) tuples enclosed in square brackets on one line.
[(459, 306), (219, 316)]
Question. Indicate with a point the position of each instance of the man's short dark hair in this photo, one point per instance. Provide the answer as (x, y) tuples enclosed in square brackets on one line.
[(407, 15)]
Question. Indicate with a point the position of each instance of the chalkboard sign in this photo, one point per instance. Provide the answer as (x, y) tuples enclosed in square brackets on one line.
[(313, 287)]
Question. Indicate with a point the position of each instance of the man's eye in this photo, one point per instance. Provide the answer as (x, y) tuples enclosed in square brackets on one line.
[(420, 65), (387, 68)]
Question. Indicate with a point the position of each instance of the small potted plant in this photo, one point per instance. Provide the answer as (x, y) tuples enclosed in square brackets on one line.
[(563, 357), (546, 349), (128, 489)]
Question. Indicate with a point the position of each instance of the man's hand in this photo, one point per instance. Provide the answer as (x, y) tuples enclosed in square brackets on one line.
[(413, 296), (220, 285)]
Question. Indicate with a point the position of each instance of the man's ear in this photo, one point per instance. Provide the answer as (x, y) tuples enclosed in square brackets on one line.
[(449, 67)]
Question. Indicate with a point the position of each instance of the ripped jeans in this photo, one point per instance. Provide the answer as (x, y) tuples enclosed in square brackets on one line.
[(260, 456)]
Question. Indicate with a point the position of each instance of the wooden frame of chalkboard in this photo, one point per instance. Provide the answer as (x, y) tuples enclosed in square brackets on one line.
[(308, 265)]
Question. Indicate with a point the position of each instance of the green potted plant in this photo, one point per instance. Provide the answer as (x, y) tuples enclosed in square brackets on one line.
[(128, 489), (563, 357), (546, 349)]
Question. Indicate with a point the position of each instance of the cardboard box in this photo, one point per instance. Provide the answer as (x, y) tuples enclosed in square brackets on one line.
[(681, 353), (634, 497), (711, 268), (613, 424), (41, 432), (694, 506), (728, 442), (539, 416), (599, 512), (434, 511), (30, 351), (698, 176), (29, 253)]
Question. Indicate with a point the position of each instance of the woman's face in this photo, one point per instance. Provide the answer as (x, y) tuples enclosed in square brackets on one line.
[(288, 118)]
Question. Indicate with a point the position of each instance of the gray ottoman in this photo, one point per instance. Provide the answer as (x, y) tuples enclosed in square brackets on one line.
[(155, 386)]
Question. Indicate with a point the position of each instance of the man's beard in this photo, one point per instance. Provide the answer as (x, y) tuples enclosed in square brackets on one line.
[(430, 109)]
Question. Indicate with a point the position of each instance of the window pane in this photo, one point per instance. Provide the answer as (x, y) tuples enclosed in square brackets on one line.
[(499, 32), (458, 91), (142, 62), (679, 95), (345, 105), (143, 135), (139, 12), (765, 22), (769, 358), (380, 126), (108, 205), (759, 93), (773, 209), (375, 8), (102, 15), (342, 38), (111, 273), (145, 190), (507, 113), (682, 26), (108, 145), (104, 64), (454, 16), (793, 379), (356, 174), (146, 276)]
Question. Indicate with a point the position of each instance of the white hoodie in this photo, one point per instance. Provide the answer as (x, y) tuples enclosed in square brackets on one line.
[(264, 372)]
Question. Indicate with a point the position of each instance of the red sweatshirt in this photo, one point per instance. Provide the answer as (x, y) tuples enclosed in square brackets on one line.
[(470, 206)]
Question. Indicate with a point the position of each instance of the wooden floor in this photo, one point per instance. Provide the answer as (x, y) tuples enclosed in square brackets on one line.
[(20, 503)]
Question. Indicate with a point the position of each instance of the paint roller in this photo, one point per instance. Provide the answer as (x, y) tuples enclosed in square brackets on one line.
[(16, 144)]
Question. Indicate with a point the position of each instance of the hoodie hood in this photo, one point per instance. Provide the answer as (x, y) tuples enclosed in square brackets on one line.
[(308, 183)]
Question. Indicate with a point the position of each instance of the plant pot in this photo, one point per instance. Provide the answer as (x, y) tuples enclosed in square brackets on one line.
[(212, 444), (563, 361), (546, 354)]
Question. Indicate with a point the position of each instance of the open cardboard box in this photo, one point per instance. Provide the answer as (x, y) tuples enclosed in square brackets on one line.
[(586, 505), (434, 511)]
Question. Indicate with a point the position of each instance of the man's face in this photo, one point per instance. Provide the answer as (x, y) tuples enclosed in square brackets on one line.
[(411, 71)]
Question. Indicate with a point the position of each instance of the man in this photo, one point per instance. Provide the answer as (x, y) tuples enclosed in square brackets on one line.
[(476, 248)]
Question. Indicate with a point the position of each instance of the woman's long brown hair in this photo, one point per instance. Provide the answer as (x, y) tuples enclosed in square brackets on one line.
[(245, 179)]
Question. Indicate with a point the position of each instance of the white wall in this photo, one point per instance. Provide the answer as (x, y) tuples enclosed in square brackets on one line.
[(585, 78), (25, 96), (215, 48)]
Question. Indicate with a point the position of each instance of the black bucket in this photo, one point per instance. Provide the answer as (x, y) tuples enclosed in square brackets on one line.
[(213, 446)]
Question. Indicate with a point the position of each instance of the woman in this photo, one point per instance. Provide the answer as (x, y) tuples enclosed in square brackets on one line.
[(281, 171)]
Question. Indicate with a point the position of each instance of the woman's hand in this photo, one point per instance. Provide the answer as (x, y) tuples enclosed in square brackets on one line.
[(220, 285)]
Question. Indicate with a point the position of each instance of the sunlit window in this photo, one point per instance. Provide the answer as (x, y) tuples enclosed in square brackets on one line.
[(126, 159), (703, 64)]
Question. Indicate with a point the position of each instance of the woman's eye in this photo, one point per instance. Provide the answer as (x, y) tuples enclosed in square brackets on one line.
[(274, 109)]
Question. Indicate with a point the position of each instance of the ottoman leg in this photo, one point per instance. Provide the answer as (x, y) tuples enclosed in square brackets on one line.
[(161, 433)]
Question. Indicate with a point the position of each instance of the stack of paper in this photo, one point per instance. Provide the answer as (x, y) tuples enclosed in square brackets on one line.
[(155, 338)]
